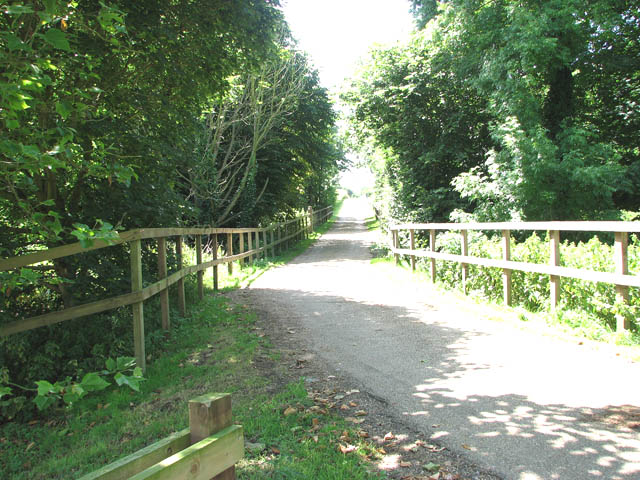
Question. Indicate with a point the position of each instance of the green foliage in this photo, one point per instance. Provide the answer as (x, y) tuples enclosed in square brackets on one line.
[(527, 109), (68, 391)]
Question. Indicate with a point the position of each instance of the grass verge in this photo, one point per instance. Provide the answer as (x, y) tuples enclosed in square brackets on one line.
[(215, 349)]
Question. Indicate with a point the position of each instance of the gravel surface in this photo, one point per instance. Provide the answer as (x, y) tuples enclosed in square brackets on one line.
[(482, 398)]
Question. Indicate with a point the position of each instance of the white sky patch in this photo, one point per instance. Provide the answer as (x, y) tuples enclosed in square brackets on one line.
[(337, 33)]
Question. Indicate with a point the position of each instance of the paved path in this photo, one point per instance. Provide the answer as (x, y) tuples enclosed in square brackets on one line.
[(522, 405)]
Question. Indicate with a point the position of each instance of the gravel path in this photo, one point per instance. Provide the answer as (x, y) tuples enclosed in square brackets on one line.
[(501, 400)]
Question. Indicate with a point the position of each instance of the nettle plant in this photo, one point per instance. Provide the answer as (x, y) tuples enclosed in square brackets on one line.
[(68, 392)]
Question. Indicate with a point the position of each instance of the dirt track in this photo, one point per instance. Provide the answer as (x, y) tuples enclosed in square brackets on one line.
[(431, 366)]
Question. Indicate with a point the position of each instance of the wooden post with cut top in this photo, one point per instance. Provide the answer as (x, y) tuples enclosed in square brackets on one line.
[(181, 303), (209, 414), (242, 260), (412, 238), (465, 251), (214, 249), (622, 268), (162, 273), (230, 252), (506, 272), (554, 259), (200, 273), (138, 312), (432, 247), (250, 247)]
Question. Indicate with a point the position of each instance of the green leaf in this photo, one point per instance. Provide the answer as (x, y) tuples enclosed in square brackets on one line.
[(64, 109), (17, 9), (44, 387), (111, 364), (431, 467), (93, 382), (125, 363), (4, 391), (50, 6), (57, 39), (43, 402), (131, 382)]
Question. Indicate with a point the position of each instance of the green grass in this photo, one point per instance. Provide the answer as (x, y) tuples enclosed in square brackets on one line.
[(215, 349)]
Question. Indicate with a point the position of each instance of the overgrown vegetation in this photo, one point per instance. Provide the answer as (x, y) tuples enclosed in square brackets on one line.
[(504, 110), (118, 115)]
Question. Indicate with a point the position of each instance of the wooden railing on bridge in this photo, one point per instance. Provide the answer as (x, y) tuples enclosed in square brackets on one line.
[(259, 242), (621, 278)]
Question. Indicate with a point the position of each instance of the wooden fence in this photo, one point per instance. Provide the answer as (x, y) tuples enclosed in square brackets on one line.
[(208, 449), (252, 243), (621, 278)]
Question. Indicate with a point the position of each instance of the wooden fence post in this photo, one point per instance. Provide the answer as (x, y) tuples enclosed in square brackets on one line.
[(432, 247), (310, 213), (229, 252), (412, 238), (215, 257), (138, 312), (279, 238), (554, 259), (182, 308), (622, 268), (265, 244), (242, 260), (506, 272), (162, 273), (200, 273), (272, 238), (465, 266), (250, 247), (209, 414), (396, 242)]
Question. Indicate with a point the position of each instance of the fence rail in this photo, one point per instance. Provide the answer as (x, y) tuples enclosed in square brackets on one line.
[(621, 278), (209, 448), (259, 242)]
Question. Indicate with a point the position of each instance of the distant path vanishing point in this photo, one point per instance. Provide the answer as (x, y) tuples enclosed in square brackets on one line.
[(517, 403)]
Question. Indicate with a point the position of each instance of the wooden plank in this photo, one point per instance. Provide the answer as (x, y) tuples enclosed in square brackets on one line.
[(162, 273), (142, 459), (544, 269), (506, 273), (554, 260), (182, 307), (199, 262), (465, 253), (622, 267), (137, 307), (201, 461), (585, 226)]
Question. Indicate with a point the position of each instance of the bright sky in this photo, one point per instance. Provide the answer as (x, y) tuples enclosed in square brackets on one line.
[(337, 34)]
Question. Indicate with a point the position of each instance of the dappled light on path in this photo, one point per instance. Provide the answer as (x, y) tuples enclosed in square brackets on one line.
[(522, 405)]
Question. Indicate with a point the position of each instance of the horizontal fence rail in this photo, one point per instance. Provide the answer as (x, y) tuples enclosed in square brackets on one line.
[(621, 278), (253, 243)]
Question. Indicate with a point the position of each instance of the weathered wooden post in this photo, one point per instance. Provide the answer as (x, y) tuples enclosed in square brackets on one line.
[(182, 308), (395, 241), (432, 247), (242, 260), (162, 273), (465, 266), (209, 414), (138, 312), (265, 244), (215, 257), (554, 260), (250, 246), (310, 213), (279, 238), (273, 243), (200, 274), (230, 252), (506, 272), (622, 268), (412, 238)]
